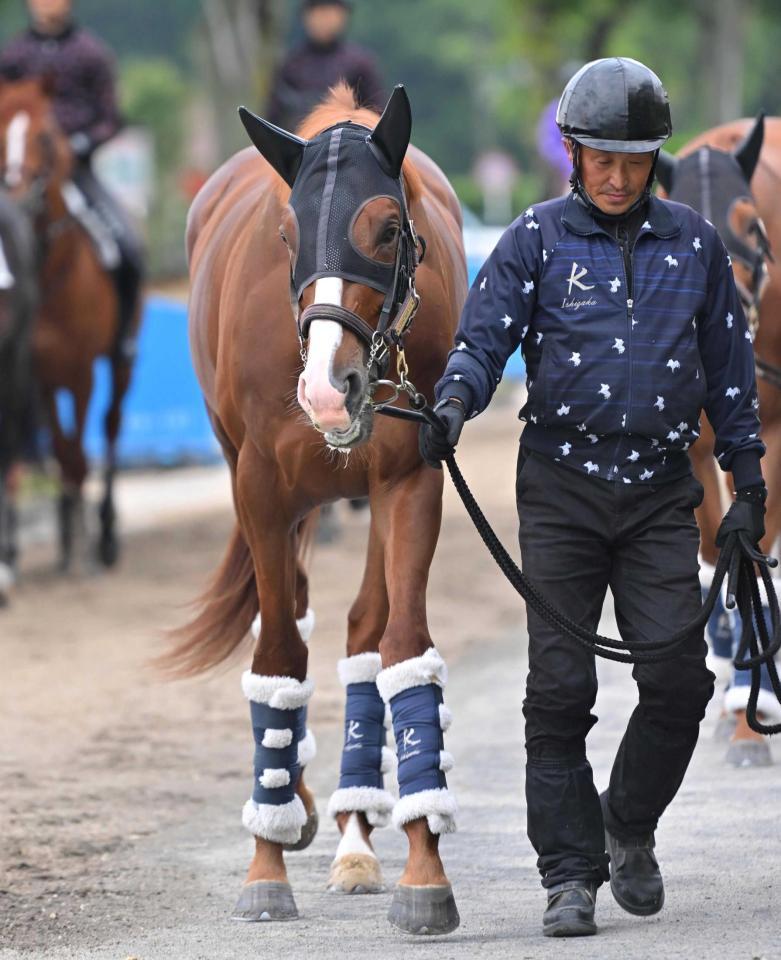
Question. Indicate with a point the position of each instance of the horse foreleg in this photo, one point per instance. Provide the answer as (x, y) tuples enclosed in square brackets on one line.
[(305, 621), (412, 681), (360, 802), (69, 453), (108, 544), (8, 524), (278, 691)]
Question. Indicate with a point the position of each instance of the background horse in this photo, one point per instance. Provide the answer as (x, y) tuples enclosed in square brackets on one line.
[(348, 242), (78, 311), (17, 303), (732, 175)]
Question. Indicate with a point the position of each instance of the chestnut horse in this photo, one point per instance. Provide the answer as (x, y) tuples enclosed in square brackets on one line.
[(295, 439), (732, 175), (78, 312)]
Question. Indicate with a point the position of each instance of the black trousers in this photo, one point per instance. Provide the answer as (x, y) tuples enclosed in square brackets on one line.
[(579, 536)]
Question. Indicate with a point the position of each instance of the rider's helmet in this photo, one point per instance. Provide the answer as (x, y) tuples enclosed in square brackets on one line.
[(615, 104)]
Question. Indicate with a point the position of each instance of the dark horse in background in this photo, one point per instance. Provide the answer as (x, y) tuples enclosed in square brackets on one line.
[(77, 311), (732, 175), (295, 439), (17, 305)]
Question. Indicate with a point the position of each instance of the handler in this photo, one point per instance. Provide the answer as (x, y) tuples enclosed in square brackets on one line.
[(630, 323)]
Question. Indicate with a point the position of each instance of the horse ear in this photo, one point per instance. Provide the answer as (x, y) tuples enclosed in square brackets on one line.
[(390, 138), (666, 165), (283, 150), (747, 152)]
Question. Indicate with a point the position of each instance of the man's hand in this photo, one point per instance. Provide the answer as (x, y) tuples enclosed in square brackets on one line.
[(436, 446), (747, 514)]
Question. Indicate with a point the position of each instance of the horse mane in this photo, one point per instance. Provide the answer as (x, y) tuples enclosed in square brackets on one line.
[(341, 106)]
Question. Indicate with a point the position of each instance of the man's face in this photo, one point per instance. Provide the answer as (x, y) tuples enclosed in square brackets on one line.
[(50, 15), (325, 23), (614, 181)]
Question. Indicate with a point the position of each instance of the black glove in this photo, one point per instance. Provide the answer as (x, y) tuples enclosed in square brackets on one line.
[(435, 445), (747, 514)]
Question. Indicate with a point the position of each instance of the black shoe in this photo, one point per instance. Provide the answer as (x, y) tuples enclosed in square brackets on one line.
[(635, 879), (570, 911)]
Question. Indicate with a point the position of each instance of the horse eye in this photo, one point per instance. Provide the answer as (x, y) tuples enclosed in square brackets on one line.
[(390, 233)]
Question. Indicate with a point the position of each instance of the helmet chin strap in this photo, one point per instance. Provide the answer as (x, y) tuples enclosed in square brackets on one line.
[(580, 191)]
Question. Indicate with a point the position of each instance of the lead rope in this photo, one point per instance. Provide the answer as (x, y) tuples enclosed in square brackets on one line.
[(735, 565)]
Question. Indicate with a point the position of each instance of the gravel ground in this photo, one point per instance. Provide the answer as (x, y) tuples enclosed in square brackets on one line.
[(120, 797)]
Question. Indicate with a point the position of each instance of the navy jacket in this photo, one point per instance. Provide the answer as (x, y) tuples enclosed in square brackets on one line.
[(617, 377)]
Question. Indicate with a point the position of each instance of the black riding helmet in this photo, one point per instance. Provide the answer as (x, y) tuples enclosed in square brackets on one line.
[(615, 104)]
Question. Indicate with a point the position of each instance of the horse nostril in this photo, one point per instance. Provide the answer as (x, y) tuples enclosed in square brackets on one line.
[(353, 388)]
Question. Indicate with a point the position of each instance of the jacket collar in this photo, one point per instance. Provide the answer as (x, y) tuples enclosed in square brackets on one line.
[(578, 219)]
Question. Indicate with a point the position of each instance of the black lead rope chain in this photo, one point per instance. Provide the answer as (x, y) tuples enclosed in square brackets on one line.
[(736, 564)]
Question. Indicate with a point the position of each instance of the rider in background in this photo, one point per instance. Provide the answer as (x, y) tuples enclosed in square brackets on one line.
[(324, 58), (81, 70)]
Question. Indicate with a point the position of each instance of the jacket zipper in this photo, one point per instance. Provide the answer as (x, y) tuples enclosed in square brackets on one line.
[(627, 253)]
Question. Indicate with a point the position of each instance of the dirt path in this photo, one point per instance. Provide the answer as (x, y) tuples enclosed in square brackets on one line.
[(120, 797), (99, 762)]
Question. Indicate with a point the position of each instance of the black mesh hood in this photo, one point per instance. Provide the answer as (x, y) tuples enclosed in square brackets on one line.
[(339, 174), (712, 181)]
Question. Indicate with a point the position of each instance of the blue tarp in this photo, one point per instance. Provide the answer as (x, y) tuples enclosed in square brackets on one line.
[(164, 421)]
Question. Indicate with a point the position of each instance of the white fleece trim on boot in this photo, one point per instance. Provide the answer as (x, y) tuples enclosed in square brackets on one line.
[(276, 739), (721, 668), (438, 806), (415, 672), (446, 761), (273, 779), (388, 761), (362, 668), (706, 573), (445, 717), (307, 748), (281, 693), (374, 803), (305, 625), (279, 824), (736, 698)]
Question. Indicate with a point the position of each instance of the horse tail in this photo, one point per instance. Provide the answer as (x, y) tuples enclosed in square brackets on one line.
[(224, 615)]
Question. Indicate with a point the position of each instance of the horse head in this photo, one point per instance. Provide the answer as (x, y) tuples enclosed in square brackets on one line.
[(34, 152), (348, 234), (717, 183)]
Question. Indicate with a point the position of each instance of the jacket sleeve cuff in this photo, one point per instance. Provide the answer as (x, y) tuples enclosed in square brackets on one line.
[(746, 469), (460, 390)]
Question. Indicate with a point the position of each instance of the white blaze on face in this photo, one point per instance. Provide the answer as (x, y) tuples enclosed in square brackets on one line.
[(15, 144), (316, 393)]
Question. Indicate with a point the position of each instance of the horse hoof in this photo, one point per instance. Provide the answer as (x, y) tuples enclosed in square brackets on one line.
[(108, 551), (356, 873), (749, 753), (725, 727), (426, 911), (265, 900), (308, 833)]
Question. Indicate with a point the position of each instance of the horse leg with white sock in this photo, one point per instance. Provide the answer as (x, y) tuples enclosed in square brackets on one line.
[(278, 691), (411, 683)]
